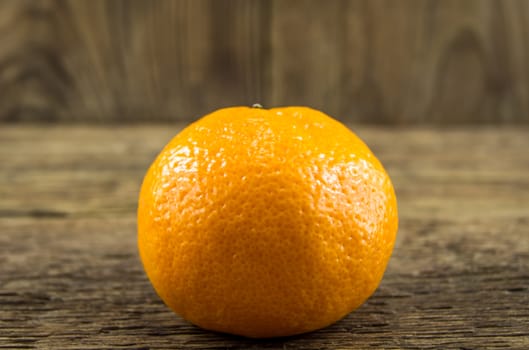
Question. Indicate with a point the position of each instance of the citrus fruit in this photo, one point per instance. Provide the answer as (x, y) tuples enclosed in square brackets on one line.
[(266, 222)]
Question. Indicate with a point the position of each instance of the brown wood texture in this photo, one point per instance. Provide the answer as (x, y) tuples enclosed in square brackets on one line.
[(378, 61), (70, 276)]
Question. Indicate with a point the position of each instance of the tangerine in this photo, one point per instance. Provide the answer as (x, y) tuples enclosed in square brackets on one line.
[(266, 223)]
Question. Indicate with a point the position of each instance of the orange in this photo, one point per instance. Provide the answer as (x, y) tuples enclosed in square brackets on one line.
[(266, 223)]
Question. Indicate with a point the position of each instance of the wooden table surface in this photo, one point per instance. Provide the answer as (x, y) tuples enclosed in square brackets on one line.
[(70, 277)]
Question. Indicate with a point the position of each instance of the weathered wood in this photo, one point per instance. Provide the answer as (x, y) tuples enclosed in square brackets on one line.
[(129, 60), (381, 61), (70, 277)]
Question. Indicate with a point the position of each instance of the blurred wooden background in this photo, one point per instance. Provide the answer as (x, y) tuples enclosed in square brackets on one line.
[(377, 61)]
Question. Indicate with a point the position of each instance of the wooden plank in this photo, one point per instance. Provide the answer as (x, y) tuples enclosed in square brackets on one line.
[(305, 56), (101, 61), (71, 278), (380, 61), (73, 170), (173, 60), (446, 62), (78, 284)]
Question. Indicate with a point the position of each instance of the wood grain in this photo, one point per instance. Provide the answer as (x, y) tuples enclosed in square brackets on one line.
[(70, 276), (379, 61)]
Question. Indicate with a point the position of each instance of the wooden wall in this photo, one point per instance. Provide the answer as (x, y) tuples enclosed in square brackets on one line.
[(380, 61)]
